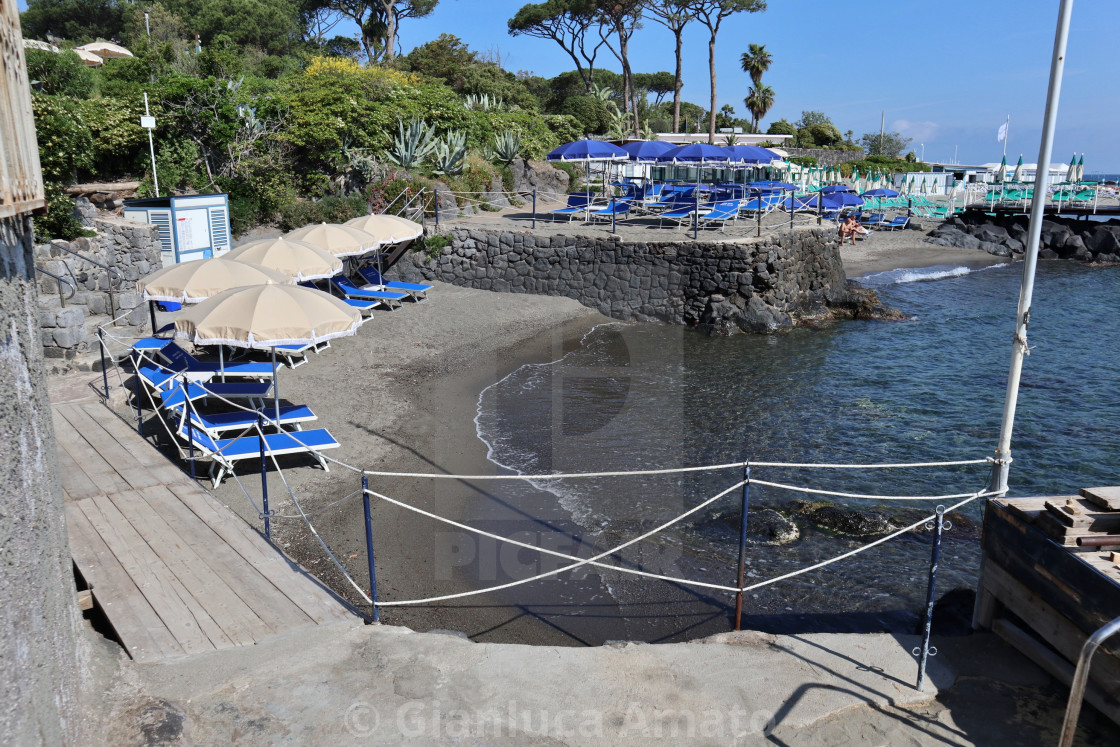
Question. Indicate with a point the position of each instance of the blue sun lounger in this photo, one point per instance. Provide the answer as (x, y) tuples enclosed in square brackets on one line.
[(181, 360), (721, 213), (392, 299), (899, 221), (618, 208), (365, 307), (215, 423), (377, 281), (168, 388), (578, 202), (224, 453)]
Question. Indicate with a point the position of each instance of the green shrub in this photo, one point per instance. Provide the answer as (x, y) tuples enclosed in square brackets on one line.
[(435, 244), (332, 209), (59, 222)]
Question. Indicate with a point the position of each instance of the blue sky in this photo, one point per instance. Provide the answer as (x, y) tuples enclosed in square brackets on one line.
[(946, 73)]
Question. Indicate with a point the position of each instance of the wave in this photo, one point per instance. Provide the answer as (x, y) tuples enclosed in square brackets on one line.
[(919, 274)]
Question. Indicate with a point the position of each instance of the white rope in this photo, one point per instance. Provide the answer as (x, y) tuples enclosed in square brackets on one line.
[(600, 556), (816, 491), (671, 471), (545, 550), (307, 521)]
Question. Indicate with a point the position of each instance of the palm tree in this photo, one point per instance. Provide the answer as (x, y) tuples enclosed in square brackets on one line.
[(759, 101), (756, 62)]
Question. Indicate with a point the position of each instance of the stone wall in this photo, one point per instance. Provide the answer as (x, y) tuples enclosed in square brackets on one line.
[(762, 285), (40, 652), (68, 328), (1006, 236), (827, 157)]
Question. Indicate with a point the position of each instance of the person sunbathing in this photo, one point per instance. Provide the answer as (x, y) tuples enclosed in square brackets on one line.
[(850, 228)]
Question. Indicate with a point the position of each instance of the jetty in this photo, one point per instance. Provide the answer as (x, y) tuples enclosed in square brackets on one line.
[(173, 570)]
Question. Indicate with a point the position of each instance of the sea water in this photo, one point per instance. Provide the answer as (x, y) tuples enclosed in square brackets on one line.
[(930, 389)]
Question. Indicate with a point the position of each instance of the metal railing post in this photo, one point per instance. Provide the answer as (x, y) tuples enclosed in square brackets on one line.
[(104, 371), (534, 208), (139, 412), (264, 479), (758, 214), (369, 550), (614, 225), (926, 651), (696, 217), (742, 547), (190, 421), (791, 207), (1080, 679), (435, 193)]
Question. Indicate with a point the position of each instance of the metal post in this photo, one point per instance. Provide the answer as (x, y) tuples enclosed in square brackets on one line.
[(139, 412), (151, 147), (614, 223), (1019, 345), (190, 421), (369, 549), (758, 213), (435, 193), (1080, 678), (534, 208), (152, 314), (104, 372), (742, 546), (909, 206), (820, 208), (264, 479), (939, 525), (791, 207)]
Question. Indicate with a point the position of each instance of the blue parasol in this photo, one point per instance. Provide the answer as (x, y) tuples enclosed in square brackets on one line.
[(752, 154), (695, 154), (647, 151), (836, 189), (881, 192), (588, 150)]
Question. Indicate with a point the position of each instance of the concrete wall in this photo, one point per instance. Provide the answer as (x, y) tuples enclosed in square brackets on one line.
[(762, 285), (39, 640)]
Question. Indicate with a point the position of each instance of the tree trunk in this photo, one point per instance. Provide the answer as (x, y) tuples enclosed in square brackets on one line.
[(390, 32), (629, 96), (677, 85), (712, 72)]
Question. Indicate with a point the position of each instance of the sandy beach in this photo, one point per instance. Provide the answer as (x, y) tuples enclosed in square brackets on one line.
[(402, 397)]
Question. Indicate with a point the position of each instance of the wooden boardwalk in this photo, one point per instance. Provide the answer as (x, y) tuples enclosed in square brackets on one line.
[(174, 570)]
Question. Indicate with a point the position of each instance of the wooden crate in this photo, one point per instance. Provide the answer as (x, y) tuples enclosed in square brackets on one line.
[(1057, 594)]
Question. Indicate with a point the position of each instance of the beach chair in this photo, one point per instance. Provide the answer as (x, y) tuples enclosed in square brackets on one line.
[(167, 388), (217, 423), (183, 362), (224, 453), (578, 203), (296, 355), (873, 219), (377, 281), (682, 216), (391, 299), (721, 213), (898, 221), (618, 208)]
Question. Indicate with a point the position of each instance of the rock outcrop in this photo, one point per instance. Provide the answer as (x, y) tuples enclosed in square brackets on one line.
[(1006, 236)]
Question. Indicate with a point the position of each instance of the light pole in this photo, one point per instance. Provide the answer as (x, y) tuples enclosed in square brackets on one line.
[(923, 158)]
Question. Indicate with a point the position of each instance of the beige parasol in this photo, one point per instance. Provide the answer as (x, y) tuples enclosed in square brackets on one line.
[(341, 241), (264, 316), (36, 44), (296, 259), (388, 229), (89, 59), (105, 50), (197, 280)]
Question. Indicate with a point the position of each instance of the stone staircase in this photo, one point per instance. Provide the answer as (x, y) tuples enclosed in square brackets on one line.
[(68, 329)]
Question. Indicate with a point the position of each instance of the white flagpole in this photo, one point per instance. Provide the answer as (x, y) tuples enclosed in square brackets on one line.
[(1019, 347)]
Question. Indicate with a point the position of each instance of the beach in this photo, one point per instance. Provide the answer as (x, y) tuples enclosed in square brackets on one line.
[(402, 397)]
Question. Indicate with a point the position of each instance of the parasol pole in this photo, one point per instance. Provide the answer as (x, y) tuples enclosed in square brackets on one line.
[(1019, 348), (275, 390)]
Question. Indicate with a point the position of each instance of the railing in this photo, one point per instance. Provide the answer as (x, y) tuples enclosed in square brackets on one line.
[(112, 270), (1081, 677), (60, 280)]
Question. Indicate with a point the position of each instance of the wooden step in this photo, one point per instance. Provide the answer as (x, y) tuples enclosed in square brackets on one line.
[(1107, 497)]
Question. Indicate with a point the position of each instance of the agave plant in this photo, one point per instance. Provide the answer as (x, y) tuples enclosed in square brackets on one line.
[(450, 154), (507, 147), (483, 102), (412, 144)]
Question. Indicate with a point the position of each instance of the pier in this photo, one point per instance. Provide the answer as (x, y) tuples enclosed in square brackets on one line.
[(174, 571)]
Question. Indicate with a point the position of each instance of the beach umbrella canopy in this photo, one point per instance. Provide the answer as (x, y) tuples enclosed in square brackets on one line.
[(1071, 172), (264, 316), (838, 200), (89, 59), (1081, 169), (1017, 175), (836, 188), (880, 192), (341, 241), (775, 186), (35, 44), (198, 280), (647, 151), (296, 259), (588, 150), (750, 154), (695, 154), (105, 50), (387, 229), (1001, 173)]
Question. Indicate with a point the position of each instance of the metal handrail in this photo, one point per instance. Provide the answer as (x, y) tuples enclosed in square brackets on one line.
[(1080, 679), (113, 270), (61, 280)]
